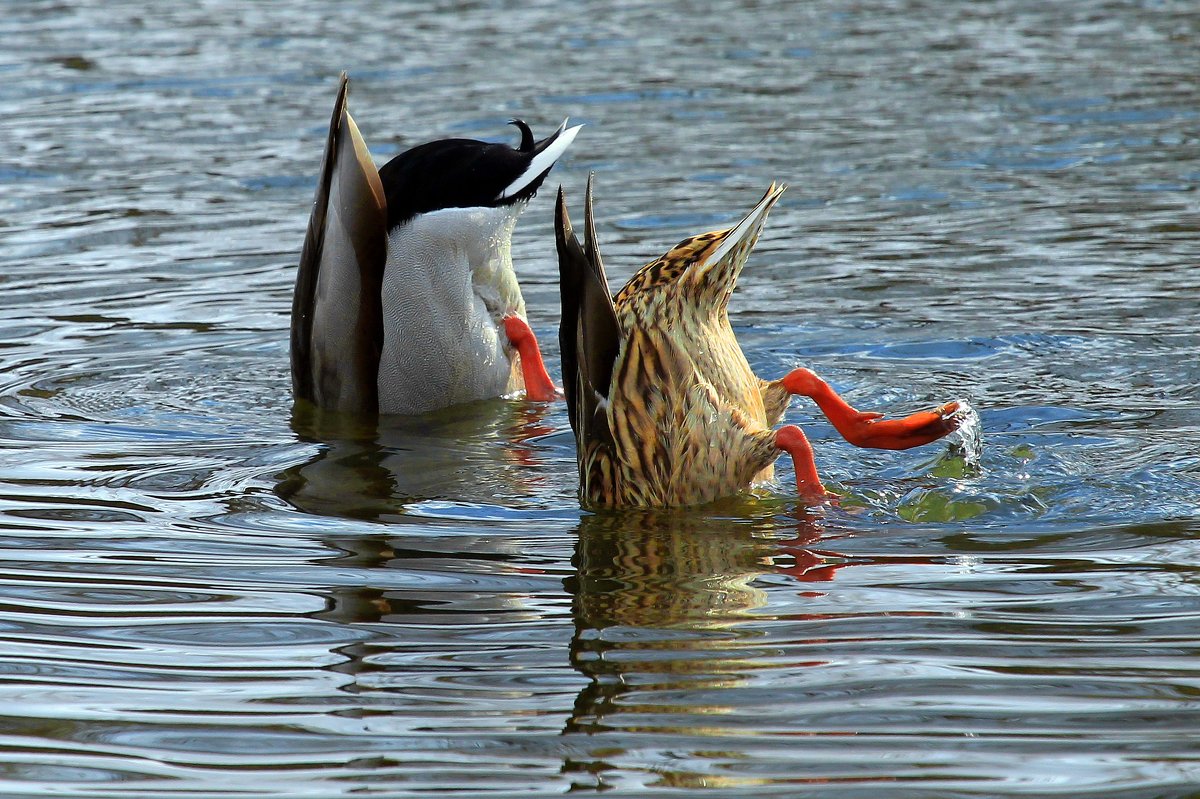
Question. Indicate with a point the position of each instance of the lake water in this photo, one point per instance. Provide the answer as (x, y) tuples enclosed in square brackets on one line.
[(1000, 201)]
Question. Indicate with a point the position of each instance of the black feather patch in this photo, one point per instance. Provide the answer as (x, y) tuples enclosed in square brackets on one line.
[(458, 173)]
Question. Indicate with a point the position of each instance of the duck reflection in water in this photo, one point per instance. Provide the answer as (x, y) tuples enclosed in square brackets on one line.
[(666, 600), (665, 593), (372, 467)]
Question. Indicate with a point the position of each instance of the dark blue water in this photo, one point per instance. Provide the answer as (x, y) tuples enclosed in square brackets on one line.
[(202, 596)]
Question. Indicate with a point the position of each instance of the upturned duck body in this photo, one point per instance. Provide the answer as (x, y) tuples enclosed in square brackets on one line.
[(406, 300), (664, 406)]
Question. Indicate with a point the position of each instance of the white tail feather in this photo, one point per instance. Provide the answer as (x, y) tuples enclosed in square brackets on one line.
[(542, 161)]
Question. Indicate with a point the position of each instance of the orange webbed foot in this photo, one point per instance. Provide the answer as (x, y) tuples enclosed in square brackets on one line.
[(538, 385), (911, 431), (868, 429)]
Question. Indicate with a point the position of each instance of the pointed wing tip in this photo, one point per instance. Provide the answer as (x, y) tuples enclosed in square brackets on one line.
[(563, 231), (595, 261), (343, 91), (589, 218), (589, 333), (750, 225), (563, 126), (566, 135), (772, 195)]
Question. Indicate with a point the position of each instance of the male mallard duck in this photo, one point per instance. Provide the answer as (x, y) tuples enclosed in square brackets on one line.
[(406, 300), (664, 406)]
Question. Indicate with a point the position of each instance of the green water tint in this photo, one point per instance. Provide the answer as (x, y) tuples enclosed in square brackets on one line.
[(935, 506)]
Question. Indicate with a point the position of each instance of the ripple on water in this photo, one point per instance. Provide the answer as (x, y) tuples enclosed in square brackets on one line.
[(202, 595)]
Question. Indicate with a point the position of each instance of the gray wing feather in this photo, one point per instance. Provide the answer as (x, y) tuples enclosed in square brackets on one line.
[(337, 324)]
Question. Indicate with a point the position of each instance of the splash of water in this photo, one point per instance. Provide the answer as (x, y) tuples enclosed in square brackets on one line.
[(967, 441)]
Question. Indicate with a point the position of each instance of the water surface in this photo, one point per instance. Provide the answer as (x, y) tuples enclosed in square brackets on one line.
[(201, 596)]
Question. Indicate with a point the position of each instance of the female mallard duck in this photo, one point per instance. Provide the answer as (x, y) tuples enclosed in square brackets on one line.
[(665, 409), (406, 300)]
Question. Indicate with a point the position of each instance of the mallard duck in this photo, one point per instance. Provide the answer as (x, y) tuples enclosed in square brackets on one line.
[(664, 406), (406, 300)]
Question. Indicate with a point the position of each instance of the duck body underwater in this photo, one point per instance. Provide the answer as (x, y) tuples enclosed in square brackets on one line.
[(406, 300), (665, 409)]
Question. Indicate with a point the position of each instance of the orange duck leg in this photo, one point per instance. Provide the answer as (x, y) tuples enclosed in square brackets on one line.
[(866, 429), (791, 439), (538, 385)]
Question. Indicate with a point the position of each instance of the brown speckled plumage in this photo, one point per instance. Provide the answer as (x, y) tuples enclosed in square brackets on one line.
[(665, 408)]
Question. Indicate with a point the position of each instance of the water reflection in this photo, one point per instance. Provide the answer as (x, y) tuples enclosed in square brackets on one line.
[(370, 469), (1001, 204), (665, 602)]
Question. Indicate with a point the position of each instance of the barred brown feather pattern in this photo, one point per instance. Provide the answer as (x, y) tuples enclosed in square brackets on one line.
[(775, 400), (689, 429), (685, 420), (666, 269)]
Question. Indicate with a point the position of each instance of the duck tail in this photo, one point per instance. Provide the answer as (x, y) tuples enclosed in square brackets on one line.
[(718, 273)]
